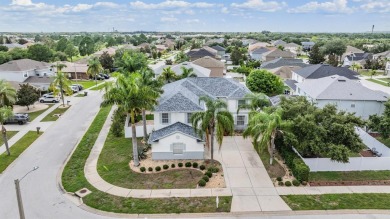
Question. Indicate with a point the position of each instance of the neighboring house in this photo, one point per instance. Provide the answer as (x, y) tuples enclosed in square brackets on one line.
[(385, 54), (40, 82), (278, 43), (277, 53), (351, 50), (321, 71), (200, 53), (75, 70), (280, 62), (220, 50), (246, 42), (284, 72), (348, 95), (307, 46), (11, 46), (22, 69), (257, 45), (161, 47), (257, 54), (198, 70), (292, 47), (217, 67), (174, 137), (110, 50), (359, 58), (387, 68)]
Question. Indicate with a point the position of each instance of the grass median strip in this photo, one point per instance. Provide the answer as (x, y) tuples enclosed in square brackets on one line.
[(17, 149), (85, 83), (350, 175), (10, 134), (34, 115), (73, 179), (338, 201), (53, 116), (99, 86), (379, 82)]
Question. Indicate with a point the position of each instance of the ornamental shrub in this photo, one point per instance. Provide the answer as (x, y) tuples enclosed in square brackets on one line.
[(287, 183), (158, 168), (202, 167), (280, 183), (279, 178), (173, 165), (143, 169), (195, 165), (165, 167), (213, 169), (205, 178), (202, 183), (180, 164), (188, 164), (295, 182), (209, 174), (150, 169)]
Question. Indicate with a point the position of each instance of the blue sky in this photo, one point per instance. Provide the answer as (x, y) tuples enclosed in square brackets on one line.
[(197, 16)]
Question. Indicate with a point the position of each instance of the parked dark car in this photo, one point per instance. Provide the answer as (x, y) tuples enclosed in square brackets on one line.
[(98, 77), (105, 76), (80, 87), (20, 118)]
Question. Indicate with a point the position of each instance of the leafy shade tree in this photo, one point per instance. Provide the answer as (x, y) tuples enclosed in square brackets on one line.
[(263, 126), (167, 76), (60, 56), (254, 102), (372, 72), (61, 44), (27, 95), (215, 122), (332, 60), (7, 94), (236, 56), (5, 113), (61, 84), (22, 41), (87, 46), (131, 61), (263, 81), (71, 51), (130, 97), (94, 68), (4, 57), (316, 56), (3, 48), (106, 61), (39, 52), (381, 123), (18, 53), (335, 48)]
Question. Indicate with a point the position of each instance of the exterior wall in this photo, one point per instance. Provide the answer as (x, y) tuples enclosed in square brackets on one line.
[(41, 86), (139, 129), (162, 150), (80, 75), (387, 69), (174, 117), (292, 49), (13, 76), (297, 77), (362, 109), (221, 53), (256, 57)]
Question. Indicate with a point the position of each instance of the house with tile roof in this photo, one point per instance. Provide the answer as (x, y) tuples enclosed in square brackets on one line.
[(257, 45), (292, 47), (346, 94), (198, 70), (257, 54), (277, 53), (220, 50), (173, 136), (351, 50), (21, 70), (359, 58), (75, 70), (307, 45), (217, 67)]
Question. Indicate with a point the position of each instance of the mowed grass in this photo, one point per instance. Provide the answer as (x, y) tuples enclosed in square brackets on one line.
[(379, 82), (52, 115), (350, 176), (99, 86), (384, 141), (34, 115), (10, 134), (86, 83), (338, 201), (73, 179), (17, 149), (113, 167)]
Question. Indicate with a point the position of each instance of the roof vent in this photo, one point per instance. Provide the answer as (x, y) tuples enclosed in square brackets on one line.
[(342, 80)]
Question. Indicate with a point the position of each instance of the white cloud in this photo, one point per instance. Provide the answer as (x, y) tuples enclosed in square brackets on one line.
[(107, 4), (21, 2), (81, 7), (260, 5), (169, 4), (380, 6), (192, 21), (225, 10), (168, 19), (335, 6)]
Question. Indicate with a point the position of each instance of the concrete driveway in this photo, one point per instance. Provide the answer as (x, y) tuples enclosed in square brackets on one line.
[(246, 176)]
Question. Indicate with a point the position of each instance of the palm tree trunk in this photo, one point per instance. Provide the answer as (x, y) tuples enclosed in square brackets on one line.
[(4, 131), (212, 145), (134, 140), (95, 79), (144, 123), (62, 97), (272, 148)]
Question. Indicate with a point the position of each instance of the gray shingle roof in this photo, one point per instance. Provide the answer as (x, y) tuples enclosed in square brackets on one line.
[(322, 70), (183, 95), (200, 53), (171, 129), (291, 84), (218, 48), (359, 56), (39, 80), (340, 88), (197, 69), (279, 62), (23, 65), (260, 50)]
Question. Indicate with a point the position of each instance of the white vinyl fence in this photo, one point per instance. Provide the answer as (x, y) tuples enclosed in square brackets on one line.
[(355, 163), (139, 129)]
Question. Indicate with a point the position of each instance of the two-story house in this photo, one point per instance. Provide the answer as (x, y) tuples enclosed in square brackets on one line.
[(173, 136), (27, 71)]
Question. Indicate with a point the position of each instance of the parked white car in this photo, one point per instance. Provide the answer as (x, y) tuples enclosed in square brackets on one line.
[(49, 99)]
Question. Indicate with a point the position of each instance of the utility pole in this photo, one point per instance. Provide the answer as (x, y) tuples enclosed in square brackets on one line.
[(19, 198), (372, 29)]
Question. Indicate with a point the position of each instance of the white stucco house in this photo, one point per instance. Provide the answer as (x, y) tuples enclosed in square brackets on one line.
[(27, 71), (173, 137), (348, 95)]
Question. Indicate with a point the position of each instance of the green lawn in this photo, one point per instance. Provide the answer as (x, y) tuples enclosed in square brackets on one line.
[(384, 141), (86, 83), (113, 167), (364, 72), (17, 149), (148, 117), (379, 82), (10, 134), (35, 114), (51, 116), (80, 95), (338, 201), (99, 87), (303, 57), (73, 179), (385, 79), (350, 176)]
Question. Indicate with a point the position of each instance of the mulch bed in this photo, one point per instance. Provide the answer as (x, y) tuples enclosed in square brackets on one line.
[(367, 153), (350, 183)]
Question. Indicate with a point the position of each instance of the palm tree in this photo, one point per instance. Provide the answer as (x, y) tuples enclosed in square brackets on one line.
[(131, 61), (94, 68), (61, 83), (215, 121), (263, 126), (131, 97), (7, 94), (356, 66), (147, 79), (372, 72), (187, 72), (257, 101), (168, 75), (5, 113)]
